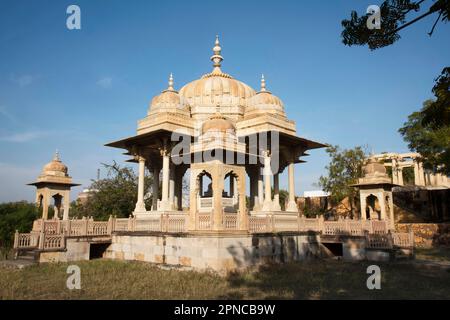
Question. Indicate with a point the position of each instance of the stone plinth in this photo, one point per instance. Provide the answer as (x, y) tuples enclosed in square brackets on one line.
[(219, 252)]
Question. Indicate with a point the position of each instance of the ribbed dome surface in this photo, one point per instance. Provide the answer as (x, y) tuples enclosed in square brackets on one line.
[(167, 99), (215, 89), (218, 123), (374, 168), (55, 167)]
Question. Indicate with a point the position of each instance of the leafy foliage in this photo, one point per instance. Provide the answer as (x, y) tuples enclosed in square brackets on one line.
[(344, 169), (433, 143), (393, 18), (15, 216), (114, 195), (437, 113), (427, 131)]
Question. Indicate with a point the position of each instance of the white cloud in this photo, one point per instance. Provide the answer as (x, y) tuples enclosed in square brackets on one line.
[(23, 136), (23, 80), (105, 82), (6, 114)]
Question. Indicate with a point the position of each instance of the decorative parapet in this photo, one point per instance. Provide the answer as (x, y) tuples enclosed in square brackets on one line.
[(53, 233)]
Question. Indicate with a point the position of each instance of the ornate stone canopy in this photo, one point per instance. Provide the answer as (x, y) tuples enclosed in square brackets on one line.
[(232, 132), (54, 183)]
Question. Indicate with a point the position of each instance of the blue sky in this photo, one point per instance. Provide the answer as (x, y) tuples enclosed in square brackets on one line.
[(77, 90)]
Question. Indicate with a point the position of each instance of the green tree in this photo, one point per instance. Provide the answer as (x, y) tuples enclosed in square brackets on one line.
[(344, 169), (15, 216), (394, 15), (114, 195), (430, 140), (426, 131)]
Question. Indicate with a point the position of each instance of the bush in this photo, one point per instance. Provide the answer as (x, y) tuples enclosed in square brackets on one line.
[(15, 216)]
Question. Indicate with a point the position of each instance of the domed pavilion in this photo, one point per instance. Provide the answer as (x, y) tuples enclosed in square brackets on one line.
[(54, 183), (375, 192), (231, 140)]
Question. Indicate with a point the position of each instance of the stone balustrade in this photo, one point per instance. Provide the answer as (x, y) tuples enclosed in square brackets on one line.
[(50, 234)]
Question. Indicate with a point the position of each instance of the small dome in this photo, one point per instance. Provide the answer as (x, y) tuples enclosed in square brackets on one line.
[(265, 102), (168, 99), (374, 168), (218, 123), (55, 167)]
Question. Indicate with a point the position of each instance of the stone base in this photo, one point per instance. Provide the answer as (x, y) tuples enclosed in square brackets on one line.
[(76, 250), (216, 251)]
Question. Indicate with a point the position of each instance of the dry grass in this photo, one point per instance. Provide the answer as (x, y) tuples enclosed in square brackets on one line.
[(103, 279), (434, 254)]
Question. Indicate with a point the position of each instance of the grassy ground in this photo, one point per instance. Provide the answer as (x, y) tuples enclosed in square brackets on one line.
[(434, 254), (103, 279)]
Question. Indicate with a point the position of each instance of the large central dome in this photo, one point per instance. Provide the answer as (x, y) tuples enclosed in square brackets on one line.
[(217, 89)]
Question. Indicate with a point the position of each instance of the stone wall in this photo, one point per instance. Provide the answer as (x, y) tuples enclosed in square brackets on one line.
[(217, 252), (427, 235), (77, 250)]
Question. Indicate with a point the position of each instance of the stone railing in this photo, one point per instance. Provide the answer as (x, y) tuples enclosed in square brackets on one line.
[(51, 234), (172, 223), (230, 221), (204, 221), (286, 222), (39, 240), (26, 240), (390, 240)]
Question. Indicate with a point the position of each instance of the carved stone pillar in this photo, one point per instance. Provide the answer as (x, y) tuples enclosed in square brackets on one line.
[(140, 205), (276, 193), (292, 205), (155, 188), (267, 204)]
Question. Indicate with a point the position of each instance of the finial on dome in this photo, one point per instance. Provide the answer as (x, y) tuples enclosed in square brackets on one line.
[(56, 156), (170, 82), (217, 57), (263, 83)]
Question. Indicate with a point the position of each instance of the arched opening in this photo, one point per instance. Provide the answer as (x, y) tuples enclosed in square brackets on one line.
[(205, 185), (204, 192), (57, 204), (373, 210), (230, 194)]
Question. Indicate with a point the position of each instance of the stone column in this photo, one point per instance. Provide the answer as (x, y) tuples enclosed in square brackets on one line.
[(267, 205), (416, 173), (363, 204), (400, 176), (292, 206), (217, 187), (155, 188), (45, 204), (231, 186), (236, 191), (172, 186), (382, 202), (140, 205), (276, 193), (421, 174), (260, 191), (165, 205), (66, 206), (394, 171), (56, 207), (252, 188)]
